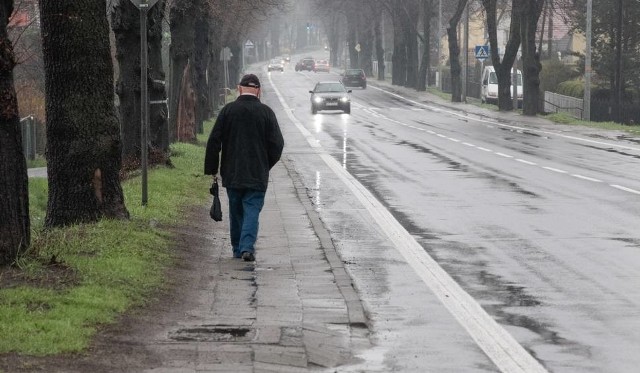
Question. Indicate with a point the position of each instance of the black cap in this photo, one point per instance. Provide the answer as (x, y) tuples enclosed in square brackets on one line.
[(250, 80)]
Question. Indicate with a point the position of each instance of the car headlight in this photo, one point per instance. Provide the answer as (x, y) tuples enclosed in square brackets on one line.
[(317, 99), (344, 99)]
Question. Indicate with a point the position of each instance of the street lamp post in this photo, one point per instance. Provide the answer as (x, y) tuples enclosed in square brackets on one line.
[(144, 6)]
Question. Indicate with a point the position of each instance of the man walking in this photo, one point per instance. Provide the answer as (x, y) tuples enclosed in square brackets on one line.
[(248, 134)]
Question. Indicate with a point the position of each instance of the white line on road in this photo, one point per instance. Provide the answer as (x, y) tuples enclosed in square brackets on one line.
[(625, 189), (484, 149), (586, 178), (555, 170), (508, 355), (526, 162), (467, 144), (504, 155)]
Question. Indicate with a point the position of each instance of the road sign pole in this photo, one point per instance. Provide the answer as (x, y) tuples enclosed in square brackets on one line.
[(144, 101), (144, 6)]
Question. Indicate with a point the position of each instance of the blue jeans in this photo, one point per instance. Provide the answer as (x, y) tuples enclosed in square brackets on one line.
[(244, 209)]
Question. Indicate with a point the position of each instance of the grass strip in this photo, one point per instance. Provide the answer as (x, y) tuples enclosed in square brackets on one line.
[(74, 279)]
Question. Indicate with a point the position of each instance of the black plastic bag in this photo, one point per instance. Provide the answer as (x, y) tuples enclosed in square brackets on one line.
[(216, 209)]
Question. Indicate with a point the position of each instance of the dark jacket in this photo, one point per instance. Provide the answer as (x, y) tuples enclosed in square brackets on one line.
[(248, 134)]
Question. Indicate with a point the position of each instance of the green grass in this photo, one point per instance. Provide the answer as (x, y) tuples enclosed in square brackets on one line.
[(40, 161), (111, 265), (564, 118)]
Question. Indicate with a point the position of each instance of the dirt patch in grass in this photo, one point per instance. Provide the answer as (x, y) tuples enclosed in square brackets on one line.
[(121, 346), (53, 275)]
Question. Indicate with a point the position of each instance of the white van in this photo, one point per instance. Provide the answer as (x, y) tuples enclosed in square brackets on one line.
[(489, 89)]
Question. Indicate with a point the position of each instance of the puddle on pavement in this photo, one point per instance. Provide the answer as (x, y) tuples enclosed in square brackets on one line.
[(213, 333)]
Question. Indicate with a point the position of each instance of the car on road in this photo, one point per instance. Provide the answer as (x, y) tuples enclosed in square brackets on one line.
[(330, 95), (354, 78), (489, 86), (275, 64), (322, 65), (307, 63)]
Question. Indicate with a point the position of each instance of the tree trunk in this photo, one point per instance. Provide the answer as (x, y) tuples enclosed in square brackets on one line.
[(399, 58), (181, 19), (454, 53), (530, 58), (427, 14), (503, 68), (199, 69), (366, 49), (158, 109), (83, 131), (410, 30), (352, 41), (377, 29), (215, 68), (186, 129), (125, 22), (15, 229)]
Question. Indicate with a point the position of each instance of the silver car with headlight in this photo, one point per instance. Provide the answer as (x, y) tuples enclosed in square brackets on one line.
[(330, 96)]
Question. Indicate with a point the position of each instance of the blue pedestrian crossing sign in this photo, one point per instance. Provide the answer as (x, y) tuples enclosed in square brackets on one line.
[(482, 52)]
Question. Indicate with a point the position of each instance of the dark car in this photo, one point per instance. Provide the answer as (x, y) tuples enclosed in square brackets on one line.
[(354, 78), (330, 96), (306, 63)]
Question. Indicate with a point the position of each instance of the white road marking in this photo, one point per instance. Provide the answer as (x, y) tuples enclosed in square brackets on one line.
[(586, 178), (504, 155), (555, 170), (467, 144), (526, 162), (508, 355), (625, 189), (484, 149)]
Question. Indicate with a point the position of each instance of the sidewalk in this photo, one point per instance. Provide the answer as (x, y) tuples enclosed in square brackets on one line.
[(294, 310)]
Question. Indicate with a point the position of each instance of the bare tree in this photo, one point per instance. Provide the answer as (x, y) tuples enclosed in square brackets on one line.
[(83, 130), (454, 52), (427, 13), (14, 194), (530, 13), (125, 22), (503, 68)]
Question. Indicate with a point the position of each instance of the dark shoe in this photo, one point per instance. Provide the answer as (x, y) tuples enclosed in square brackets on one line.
[(248, 257)]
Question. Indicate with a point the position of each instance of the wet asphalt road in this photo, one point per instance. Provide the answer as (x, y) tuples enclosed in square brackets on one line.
[(540, 228)]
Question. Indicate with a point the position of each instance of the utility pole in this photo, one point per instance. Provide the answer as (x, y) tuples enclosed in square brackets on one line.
[(438, 78), (465, 68), (586, 102)]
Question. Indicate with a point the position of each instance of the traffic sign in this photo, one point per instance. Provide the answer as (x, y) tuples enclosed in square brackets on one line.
[(248, 44), (482, 52), (144, 4), (357, 48)]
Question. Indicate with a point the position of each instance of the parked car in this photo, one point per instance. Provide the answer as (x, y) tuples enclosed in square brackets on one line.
[(354, 78), (489, 87), (330, 95), (275, 64), (322, 65), (307, 63)]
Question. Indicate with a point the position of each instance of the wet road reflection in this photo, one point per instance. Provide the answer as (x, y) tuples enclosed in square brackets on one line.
[(534, 246)]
